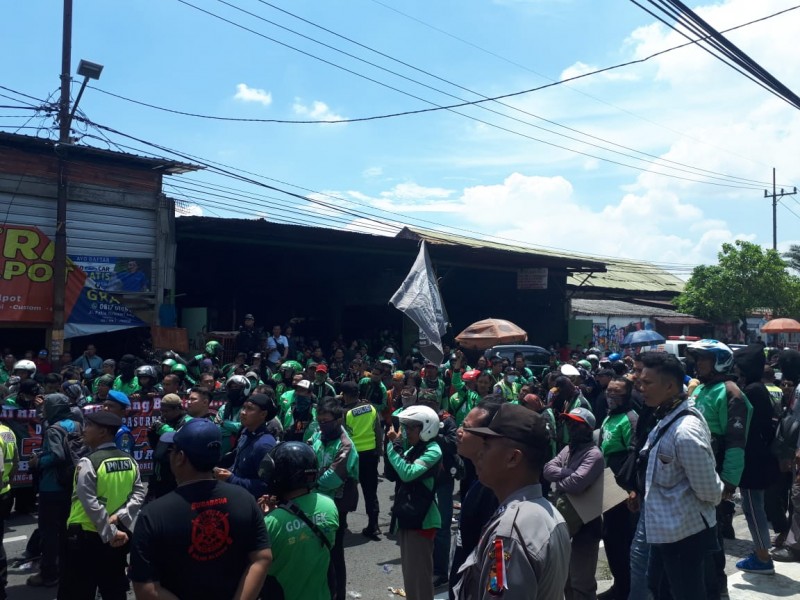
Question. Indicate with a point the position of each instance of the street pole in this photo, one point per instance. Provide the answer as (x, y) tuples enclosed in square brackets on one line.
[(775, 197), (60, 255)]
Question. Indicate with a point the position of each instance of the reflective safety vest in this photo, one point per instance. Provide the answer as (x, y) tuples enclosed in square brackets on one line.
[(360, 424), (116, 475), (9, 442)]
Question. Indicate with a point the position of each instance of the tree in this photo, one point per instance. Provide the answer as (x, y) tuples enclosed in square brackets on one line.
[(793, 257), (747, 278)]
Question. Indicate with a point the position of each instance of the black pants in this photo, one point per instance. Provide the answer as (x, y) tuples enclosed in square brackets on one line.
[(677, 571), (89, 566), (618, 529), (716, 579), (776, 502), (53, 513), (368, 478), (6, 500), (337, 573)]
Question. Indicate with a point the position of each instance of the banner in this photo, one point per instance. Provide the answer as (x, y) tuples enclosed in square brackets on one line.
[(26, 274), (116, 274), (418, 297)]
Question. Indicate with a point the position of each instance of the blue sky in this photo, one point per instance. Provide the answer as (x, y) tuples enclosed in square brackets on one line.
[(482, 172)]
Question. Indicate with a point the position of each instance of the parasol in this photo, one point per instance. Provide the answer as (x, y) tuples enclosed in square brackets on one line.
[(781, 326), (490, 332)]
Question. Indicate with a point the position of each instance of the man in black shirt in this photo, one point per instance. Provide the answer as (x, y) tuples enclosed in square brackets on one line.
[(206, 540)]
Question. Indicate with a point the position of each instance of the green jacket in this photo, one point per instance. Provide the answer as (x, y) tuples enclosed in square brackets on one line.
[(463, 401), (374, 393), (615, 433), (410, 471), (338, 462), (727, 412)]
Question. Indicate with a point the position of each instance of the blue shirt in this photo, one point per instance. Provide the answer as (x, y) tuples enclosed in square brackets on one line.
[(251, 449)]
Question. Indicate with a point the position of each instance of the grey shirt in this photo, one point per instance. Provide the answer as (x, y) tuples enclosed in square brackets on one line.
[(528, 539)]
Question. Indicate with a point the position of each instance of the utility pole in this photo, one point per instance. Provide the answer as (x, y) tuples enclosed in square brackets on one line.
[(60, 255), (775, 197)]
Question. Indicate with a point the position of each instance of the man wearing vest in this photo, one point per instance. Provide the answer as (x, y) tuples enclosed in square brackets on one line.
[(364, 426), (107, 496), (9, 459)]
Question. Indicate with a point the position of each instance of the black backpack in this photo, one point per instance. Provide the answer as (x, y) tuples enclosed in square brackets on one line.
[(73, 449), (784, 444), (412, 499)]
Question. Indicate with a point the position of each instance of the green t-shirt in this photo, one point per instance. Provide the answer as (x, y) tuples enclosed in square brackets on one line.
[(300, 560), (126, 388)]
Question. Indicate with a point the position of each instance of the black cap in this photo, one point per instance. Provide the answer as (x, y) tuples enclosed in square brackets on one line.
[(104, 418), (516, 423), (262, 401)]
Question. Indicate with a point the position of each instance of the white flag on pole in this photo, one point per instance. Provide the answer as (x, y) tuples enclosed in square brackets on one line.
[(419, 299)]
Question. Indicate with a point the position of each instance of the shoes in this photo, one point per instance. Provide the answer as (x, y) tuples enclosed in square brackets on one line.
[(440, 581), (373, 533), (785, 555), (779, 540), (23, 566), (39, 581), (752, 564)]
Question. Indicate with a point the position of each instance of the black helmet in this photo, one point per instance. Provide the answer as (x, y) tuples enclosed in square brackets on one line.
[(289, 466)]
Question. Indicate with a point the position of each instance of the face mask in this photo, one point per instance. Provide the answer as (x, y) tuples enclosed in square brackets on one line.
[(512, 378), (235, 395), (303, 403), (329, 430)]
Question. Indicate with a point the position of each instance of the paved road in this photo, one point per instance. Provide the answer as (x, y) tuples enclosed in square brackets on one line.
[(373, 567)]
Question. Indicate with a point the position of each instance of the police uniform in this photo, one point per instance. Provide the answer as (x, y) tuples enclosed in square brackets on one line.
[(365, 428), (523, 552), (10, 457), (107, 483)]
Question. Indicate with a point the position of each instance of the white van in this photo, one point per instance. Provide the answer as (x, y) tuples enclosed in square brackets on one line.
[(675, 345)]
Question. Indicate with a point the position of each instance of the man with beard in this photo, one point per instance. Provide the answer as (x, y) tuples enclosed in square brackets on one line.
[(727, 412), (237, 389), (126, 381)]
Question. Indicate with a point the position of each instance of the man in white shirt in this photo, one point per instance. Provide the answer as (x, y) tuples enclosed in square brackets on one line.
[(682, 487)]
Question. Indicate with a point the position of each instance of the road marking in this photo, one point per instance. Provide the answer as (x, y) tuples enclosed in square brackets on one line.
[(16, 538)]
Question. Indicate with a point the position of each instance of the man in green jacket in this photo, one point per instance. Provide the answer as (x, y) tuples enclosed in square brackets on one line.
[(728, 412)]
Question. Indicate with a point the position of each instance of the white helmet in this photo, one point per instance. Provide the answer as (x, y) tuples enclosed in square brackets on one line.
[(425, 416), (25, 365)]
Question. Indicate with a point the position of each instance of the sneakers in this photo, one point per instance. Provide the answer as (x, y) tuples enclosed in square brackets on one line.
[(39, 581), (752, 564), (785, 555), (23, 566)]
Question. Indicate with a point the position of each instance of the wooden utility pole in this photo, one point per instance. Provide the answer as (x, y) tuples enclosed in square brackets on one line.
[(775, 197)]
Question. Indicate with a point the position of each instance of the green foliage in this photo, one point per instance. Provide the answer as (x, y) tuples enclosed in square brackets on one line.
[(747, 278), (793, 257)]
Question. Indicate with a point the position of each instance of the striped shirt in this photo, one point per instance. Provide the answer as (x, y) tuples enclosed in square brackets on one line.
[(682, 486)]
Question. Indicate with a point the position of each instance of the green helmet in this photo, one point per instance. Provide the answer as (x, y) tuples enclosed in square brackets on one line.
[(585, 364), (293, 365), (213, 348), (179, 368), (169, 362)]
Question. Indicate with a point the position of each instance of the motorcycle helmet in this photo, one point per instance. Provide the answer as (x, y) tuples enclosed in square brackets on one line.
[(147, 371), (471, 375), (425, 416), (242, 381), (214, 348), (615, 356), (723, 355), (288, 467), (25, 365)]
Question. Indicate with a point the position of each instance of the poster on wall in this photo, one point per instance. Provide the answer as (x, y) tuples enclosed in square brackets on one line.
[(116, 274), (26, 288)]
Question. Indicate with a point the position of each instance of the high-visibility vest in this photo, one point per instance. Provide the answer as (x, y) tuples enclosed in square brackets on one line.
[(9, 442), (360, 424)]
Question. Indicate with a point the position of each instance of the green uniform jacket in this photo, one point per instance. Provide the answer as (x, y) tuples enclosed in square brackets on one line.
[(374, 393), (463, 401), (338, 462), (410, 471), (727, 412), (126, 388), (228, 421), (616, 433)]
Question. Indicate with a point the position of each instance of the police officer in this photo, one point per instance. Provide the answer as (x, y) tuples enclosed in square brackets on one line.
[(362, 422), (107, 497), (524, 550), (9, 457)]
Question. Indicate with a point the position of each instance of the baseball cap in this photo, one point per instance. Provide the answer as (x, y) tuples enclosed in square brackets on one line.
[(119, 397), (569, 371), (109, 362), (104, 419), (171, 399), (582, 415), (260, 400), (249, 317), (42, 352), (322, 368), (199, 439), (516, 423), (304, 384)]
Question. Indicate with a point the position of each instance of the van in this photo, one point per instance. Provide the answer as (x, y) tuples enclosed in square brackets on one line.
[(675, 345)]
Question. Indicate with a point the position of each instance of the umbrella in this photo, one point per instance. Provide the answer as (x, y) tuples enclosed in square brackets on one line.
[(642, 337), (489, 332), (781, 326)]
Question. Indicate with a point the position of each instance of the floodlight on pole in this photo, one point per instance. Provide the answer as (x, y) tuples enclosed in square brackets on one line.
[(89, 70)]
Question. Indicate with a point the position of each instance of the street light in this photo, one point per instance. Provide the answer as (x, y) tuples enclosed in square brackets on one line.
[(89, 70)]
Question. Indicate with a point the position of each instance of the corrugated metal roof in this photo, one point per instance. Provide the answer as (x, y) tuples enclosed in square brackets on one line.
[(629, 276), (582, 306)]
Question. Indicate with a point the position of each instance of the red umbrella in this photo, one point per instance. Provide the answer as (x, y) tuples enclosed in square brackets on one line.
[(490, 332), (781, 326)]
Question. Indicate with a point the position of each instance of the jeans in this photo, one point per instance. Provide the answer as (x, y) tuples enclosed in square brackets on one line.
[(441, 543), (677, 571), (753, 506), (640, 557)]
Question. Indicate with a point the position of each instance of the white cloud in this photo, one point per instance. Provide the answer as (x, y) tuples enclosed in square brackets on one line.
[(581, 68), (188, 210), (413, 191), (372, 172), (317, 111), (248, 94)]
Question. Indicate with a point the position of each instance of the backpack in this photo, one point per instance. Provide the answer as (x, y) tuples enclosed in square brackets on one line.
[(413, 498), (73, 449), (784, 444)]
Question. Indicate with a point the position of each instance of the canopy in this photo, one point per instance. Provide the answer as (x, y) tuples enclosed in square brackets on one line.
[(642, 337), (490, 332), (781, 326)]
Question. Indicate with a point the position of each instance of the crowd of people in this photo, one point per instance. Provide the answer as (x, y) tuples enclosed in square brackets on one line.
[(257, 462)]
